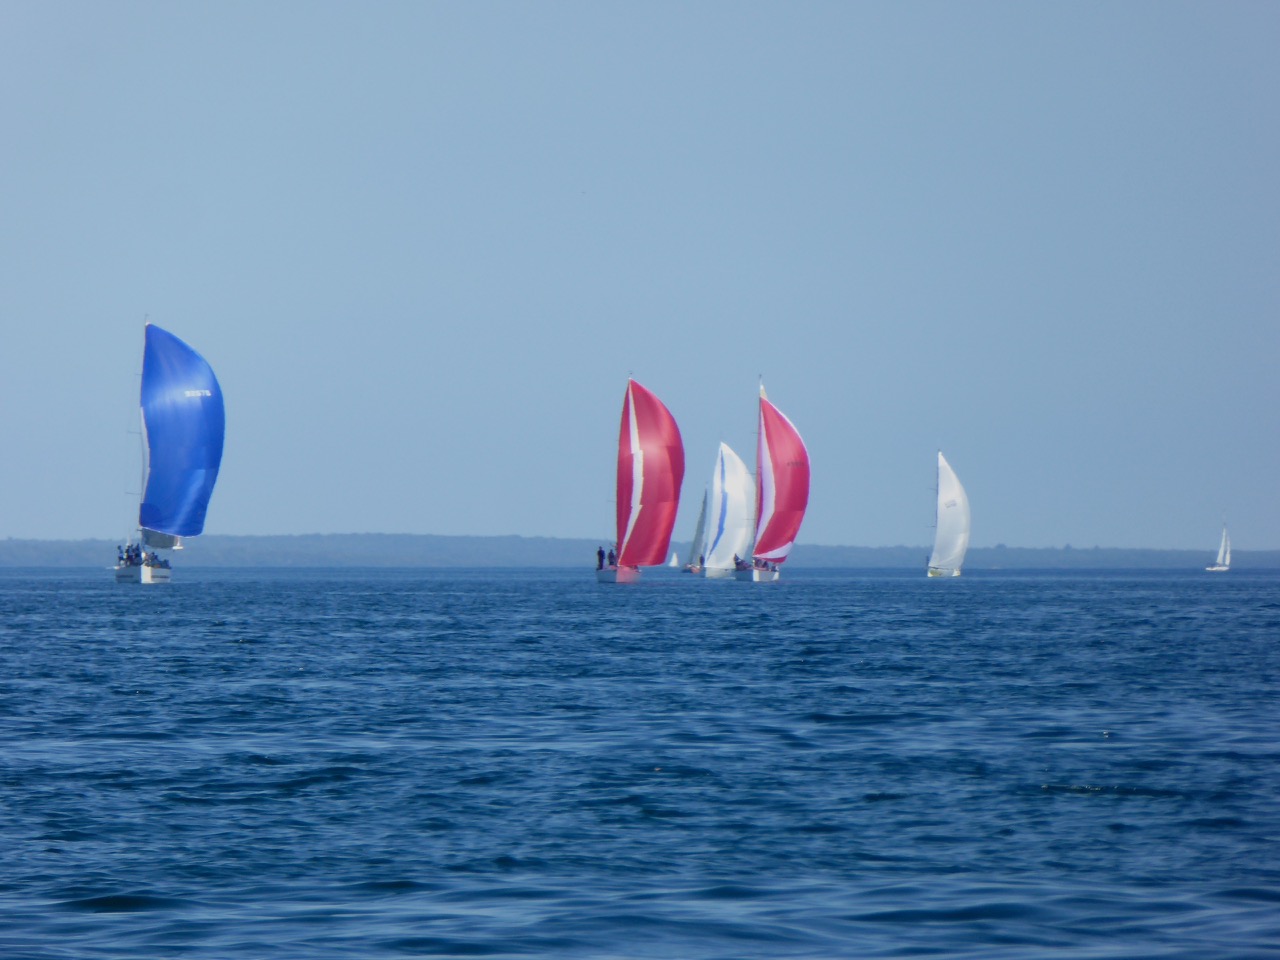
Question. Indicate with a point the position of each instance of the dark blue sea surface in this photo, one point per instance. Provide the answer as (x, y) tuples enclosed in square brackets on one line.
[(369, 764)]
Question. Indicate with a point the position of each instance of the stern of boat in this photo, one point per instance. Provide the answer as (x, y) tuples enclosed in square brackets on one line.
[(156, 574), (618, 575), (757, 575), (128, 573)]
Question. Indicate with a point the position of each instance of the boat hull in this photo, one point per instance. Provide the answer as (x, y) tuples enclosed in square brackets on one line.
[(131, 573), (156, 574), (936, 572), (618, 575), (1216, 568), (719, 573), (135, 573)]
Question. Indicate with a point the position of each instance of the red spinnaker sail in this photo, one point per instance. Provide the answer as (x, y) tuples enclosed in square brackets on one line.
[(782, 490), (650, 471)]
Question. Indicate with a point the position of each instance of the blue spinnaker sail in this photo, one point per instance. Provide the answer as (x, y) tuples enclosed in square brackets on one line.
[(183, 416)]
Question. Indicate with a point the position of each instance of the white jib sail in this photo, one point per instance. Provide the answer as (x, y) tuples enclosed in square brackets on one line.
[(698, 547), (1224, 550), (952, 537), (731, 512)]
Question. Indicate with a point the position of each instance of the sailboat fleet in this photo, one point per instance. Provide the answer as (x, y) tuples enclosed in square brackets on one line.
[(746, 527)]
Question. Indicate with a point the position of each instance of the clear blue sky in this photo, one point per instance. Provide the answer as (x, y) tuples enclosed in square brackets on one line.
[(424, 244)]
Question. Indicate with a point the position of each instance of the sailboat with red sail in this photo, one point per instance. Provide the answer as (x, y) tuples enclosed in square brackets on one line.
[(782, 493), (650, 471)]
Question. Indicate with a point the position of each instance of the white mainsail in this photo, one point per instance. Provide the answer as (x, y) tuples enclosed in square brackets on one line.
[(1223, 563), (698, 547), (952, 537), (731, 514)]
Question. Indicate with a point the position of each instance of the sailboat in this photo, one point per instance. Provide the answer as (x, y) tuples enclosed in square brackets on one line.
[(733, 494), (697, 549), (183, 425), (1223, 563), (782, 493), (650, 471), (674, 562), (951, 538)]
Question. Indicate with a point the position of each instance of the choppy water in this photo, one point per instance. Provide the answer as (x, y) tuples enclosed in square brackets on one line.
[(368, 765)]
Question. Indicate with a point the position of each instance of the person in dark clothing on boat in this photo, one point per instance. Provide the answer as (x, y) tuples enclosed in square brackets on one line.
[(600, 558), (613, 558)]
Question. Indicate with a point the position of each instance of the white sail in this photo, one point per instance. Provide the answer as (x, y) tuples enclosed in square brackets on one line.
[(698, 548), (1223, 562), (952, 537), (675, 560), (731, 513)]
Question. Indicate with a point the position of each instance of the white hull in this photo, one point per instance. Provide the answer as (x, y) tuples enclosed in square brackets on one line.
[(756, 575), (935, 572), (133, 573), (1216, 569), (719, 573), (156, 574), (618, 575)]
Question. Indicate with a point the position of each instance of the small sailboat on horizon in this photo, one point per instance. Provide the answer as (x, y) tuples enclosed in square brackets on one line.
[(1223, 563), (650, 471), (951, 538), (183, 426), (781, 494)]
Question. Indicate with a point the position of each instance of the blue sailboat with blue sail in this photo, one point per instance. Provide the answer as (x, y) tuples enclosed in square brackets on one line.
[(183, 424)]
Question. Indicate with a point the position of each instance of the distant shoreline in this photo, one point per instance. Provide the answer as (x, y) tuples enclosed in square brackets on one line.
[(431, 550)]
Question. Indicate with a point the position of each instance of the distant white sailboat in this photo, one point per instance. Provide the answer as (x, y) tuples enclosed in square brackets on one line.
[(674, 562), (1223, 563), (952, 537)]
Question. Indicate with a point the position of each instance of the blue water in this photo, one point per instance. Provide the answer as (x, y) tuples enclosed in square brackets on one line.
[(365, 764)]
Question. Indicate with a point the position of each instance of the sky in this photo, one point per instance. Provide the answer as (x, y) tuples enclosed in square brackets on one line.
[(424, 245)]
